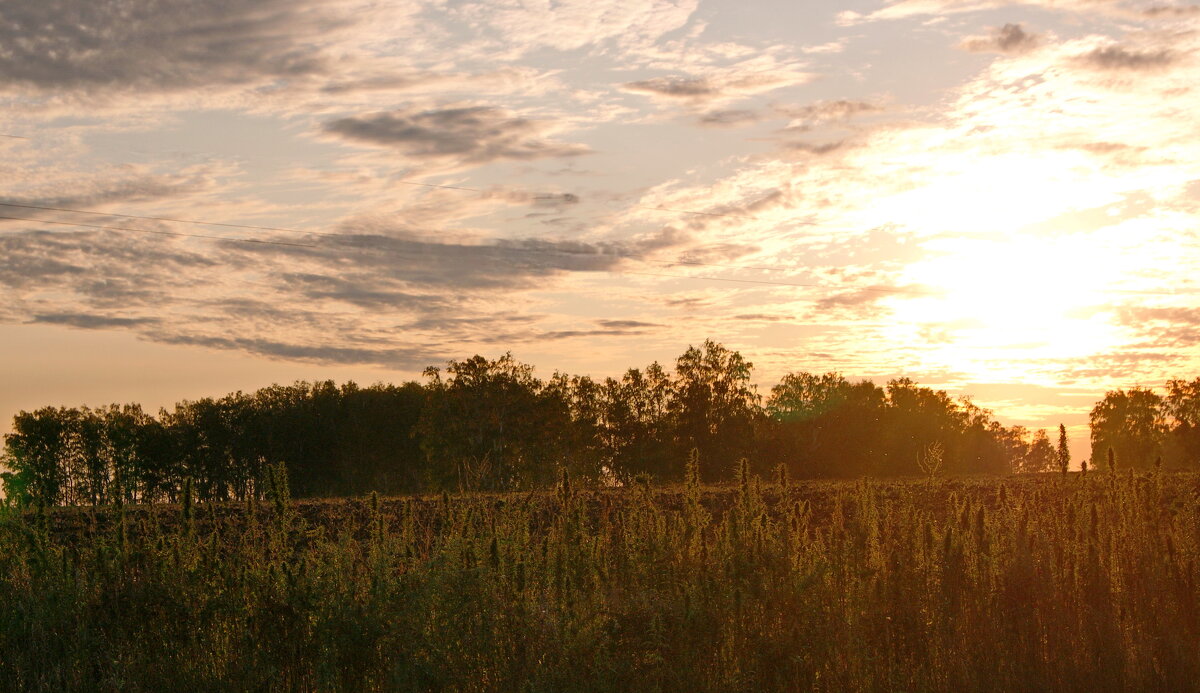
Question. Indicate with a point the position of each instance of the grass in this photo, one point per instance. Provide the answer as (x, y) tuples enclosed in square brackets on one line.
[(1033, 583)]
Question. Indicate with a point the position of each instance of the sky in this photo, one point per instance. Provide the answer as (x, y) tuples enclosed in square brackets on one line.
[(995, 198)]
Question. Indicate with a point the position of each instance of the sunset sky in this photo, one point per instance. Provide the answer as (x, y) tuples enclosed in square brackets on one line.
[(994, 198)]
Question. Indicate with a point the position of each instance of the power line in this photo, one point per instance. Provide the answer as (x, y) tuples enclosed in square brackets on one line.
[(163, 233), (15, 137)]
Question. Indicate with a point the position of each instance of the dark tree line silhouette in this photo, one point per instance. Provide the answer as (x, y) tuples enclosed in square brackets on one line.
[(481, 424), (1139, 428)]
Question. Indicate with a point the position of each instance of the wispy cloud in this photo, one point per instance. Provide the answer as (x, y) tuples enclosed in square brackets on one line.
[(1121, 58), (729, 118), (1010, 39), (465, 135)]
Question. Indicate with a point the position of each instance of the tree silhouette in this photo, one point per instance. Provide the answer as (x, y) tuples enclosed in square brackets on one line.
[(1064, 453), (1133, 423), (713, 408)]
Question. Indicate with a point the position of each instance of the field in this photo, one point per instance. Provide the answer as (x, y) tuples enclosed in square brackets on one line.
[(1040, 582)]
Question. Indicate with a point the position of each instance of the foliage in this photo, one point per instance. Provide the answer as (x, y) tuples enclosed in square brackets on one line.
[(977, 585), (713, 407), (1063, 453), (483, 424), (1133, 423), (492, 425), (931, 460)]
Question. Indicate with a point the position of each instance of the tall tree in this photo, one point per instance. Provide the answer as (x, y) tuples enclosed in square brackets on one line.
[(36, 449), (635, 427), (1063, 452), (1040, 456), (484, 425), (713, 408), (824, 425), (1182, 407), (1133, 423)]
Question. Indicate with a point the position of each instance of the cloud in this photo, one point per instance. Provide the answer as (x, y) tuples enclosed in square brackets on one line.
[(91, 322), (1163, 326), (676, 87), (1118, 58), (343, 301), (729, 118), (625, 324), (364, 291), (469, 134), (816, 148), (707, 82), (865, 301), (408, 356), (572, 24), (1010, 39), (121, 184), (52, 45), (1171, 11), (728, 86), (810, 116), (1113, 9), (764, 317)]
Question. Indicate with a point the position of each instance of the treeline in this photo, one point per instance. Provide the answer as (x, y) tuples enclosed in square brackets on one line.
[(1139, 428), (482, 424)]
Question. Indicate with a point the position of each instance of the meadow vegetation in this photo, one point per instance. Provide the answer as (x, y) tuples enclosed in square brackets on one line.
[(1044, 582)]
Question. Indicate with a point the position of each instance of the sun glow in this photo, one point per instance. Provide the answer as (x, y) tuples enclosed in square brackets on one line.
[(972, 191), (1022, 297)]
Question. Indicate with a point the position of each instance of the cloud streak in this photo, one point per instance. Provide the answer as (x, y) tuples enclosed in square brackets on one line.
[(1010, 39), (469, 134), (160, 46)]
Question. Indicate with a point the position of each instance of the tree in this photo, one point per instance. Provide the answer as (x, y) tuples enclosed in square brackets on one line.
[(1040, 456), (1133, 423), (35, 449), (634, 427), (824, 425), (917, 417), (713, 408), (484, 426), (1182, 408), (1063, 452)]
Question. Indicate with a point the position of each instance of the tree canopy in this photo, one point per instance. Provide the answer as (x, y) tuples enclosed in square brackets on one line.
[(493, 424)]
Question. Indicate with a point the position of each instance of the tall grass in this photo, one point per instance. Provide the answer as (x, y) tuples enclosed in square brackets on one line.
[(1044, 583)]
